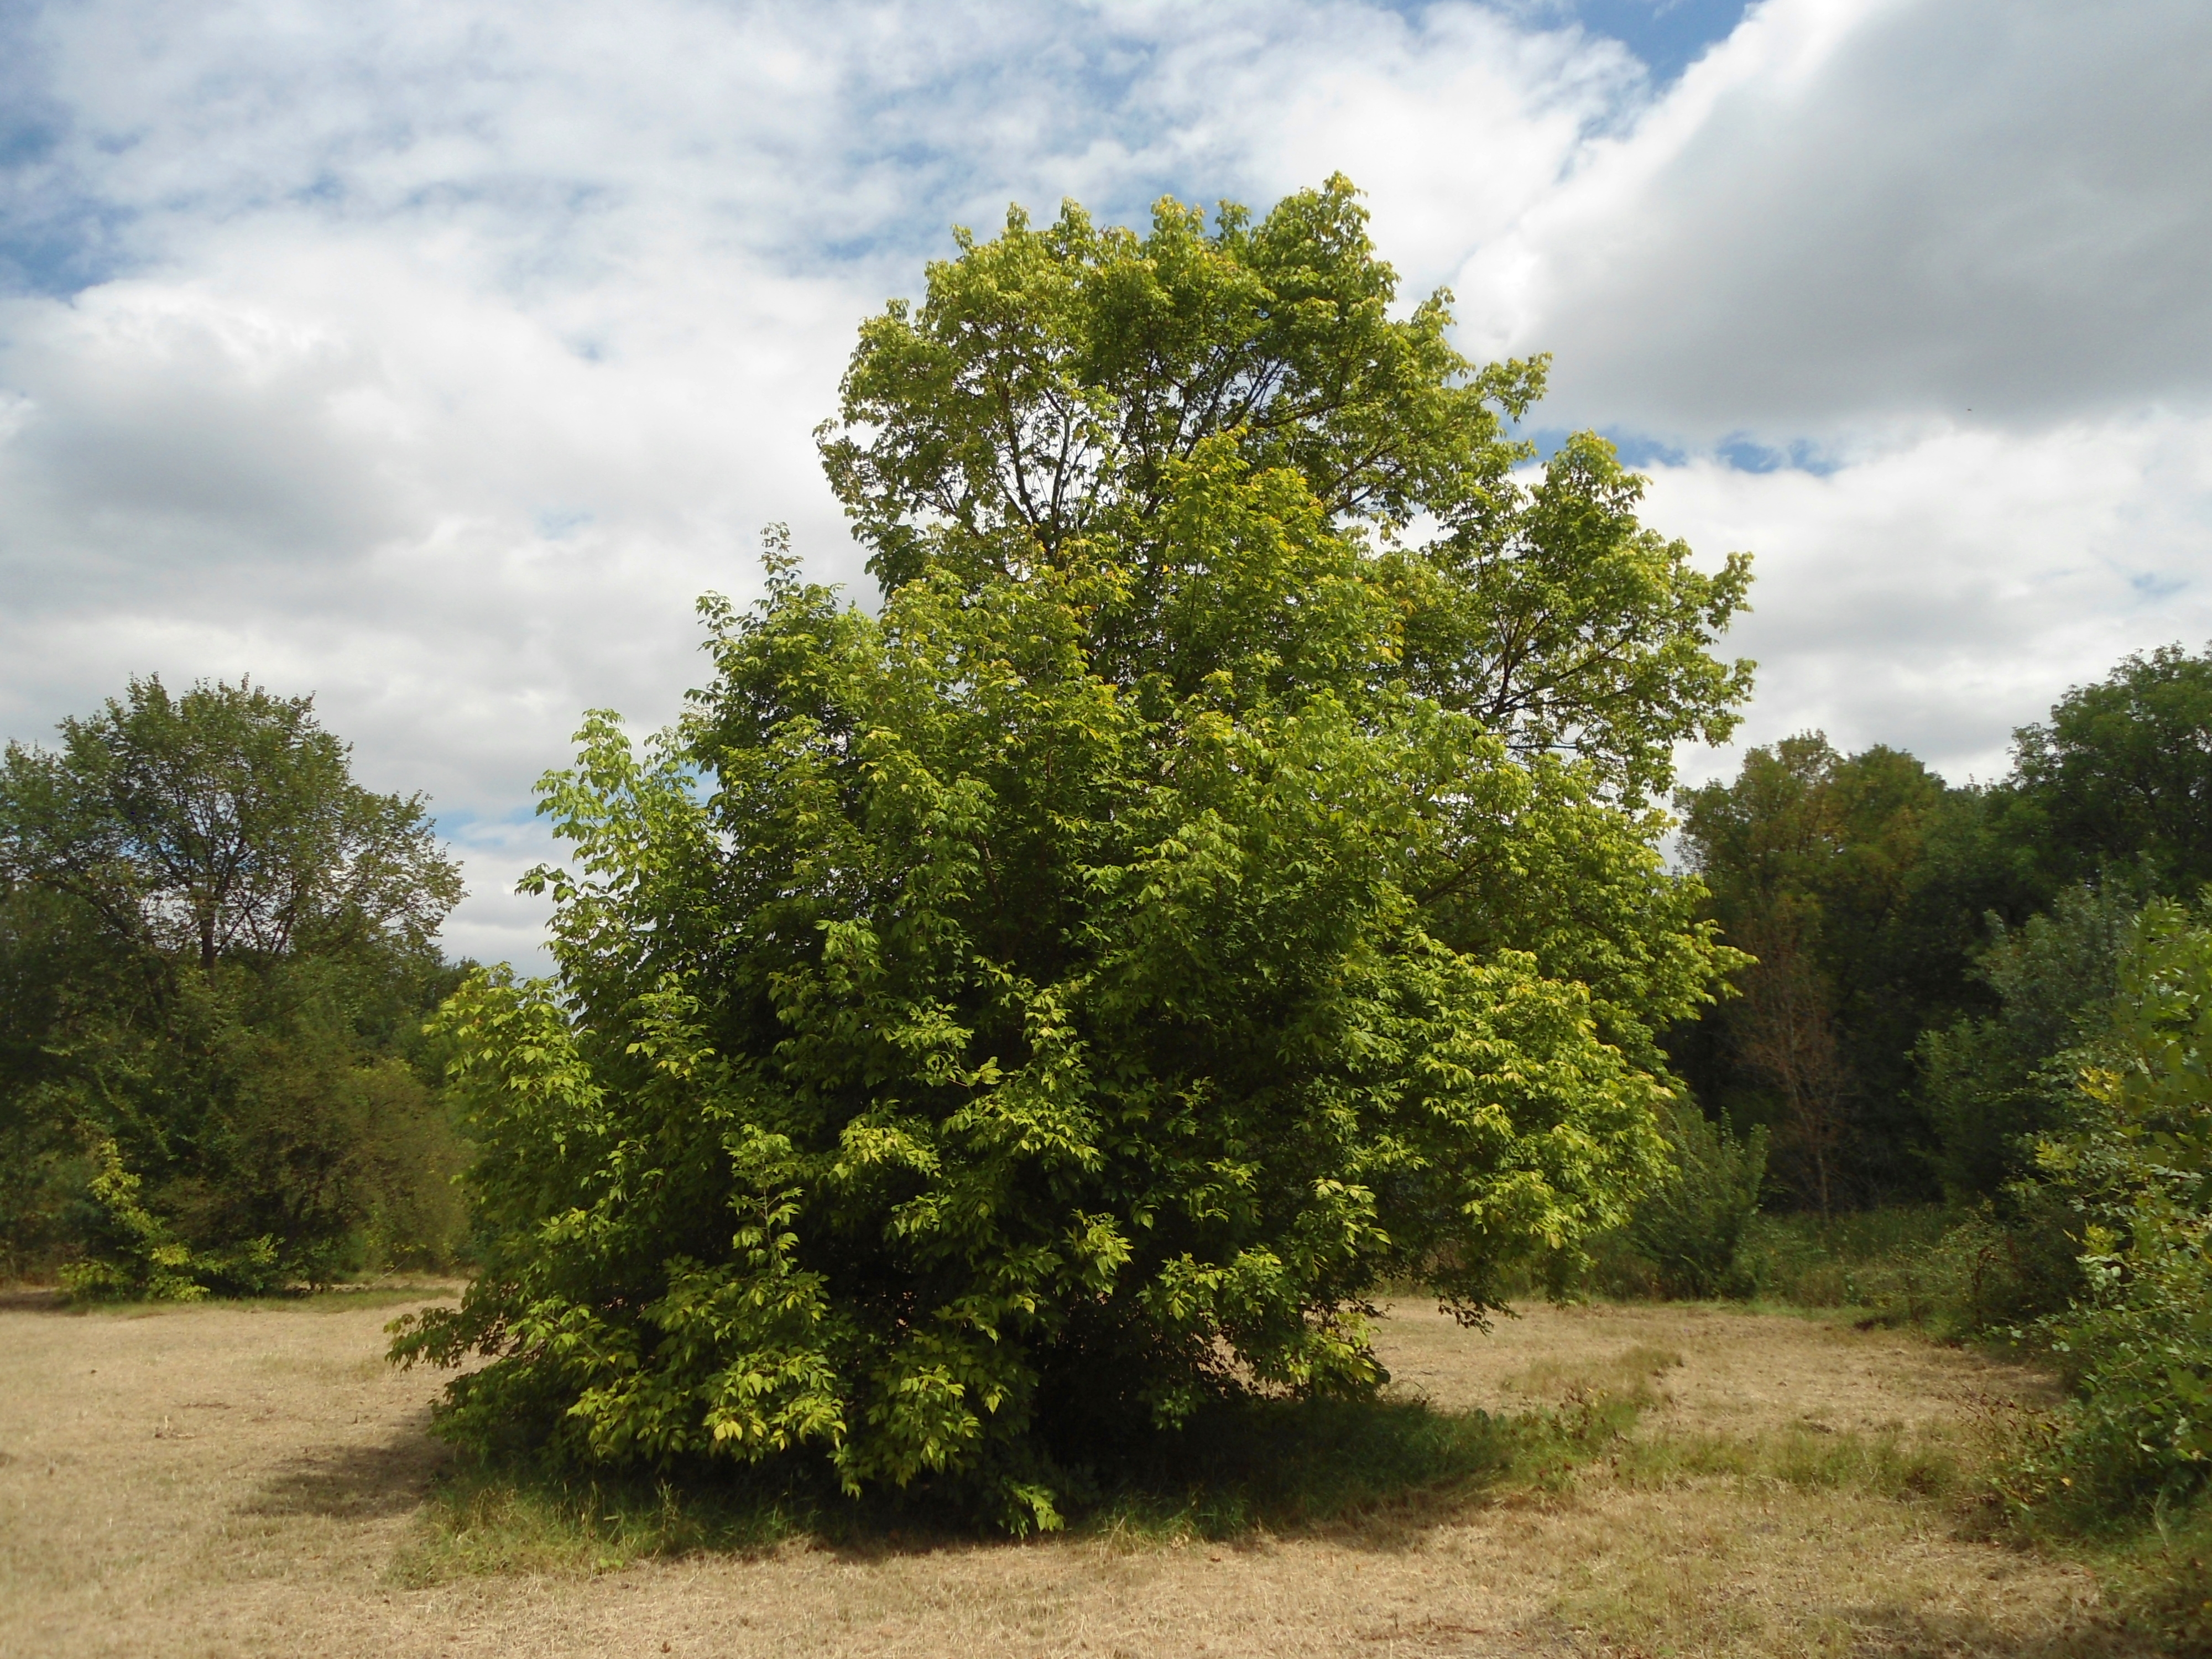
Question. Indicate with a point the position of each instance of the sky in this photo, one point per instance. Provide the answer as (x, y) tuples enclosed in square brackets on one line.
[(433, 358)]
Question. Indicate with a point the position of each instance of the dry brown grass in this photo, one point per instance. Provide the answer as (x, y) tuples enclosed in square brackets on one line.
[(244, 1481)]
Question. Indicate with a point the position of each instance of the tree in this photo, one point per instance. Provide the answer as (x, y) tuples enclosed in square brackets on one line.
[(1785, 1032), (989, 1030), (222, 824), (1860, 883), (1907, 899), (1995, 1081), (2120, 774), (218, 947), (1055, 384)]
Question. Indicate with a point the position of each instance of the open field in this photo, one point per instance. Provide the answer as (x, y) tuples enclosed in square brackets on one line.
[(253, 1481)]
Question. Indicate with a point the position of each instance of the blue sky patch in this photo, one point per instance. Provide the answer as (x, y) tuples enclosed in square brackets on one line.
[(1669, 35), (1800, 455), (1636, 449), (1739, 452), (2152, 585)]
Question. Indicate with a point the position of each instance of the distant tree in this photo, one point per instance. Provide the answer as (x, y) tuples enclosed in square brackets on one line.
[(2109, 802), (1941, 943), (1786, 1038), (218, 948), (2120, 775), (1857, 882), (1996, 1080), (224, 822), (990, 1030)]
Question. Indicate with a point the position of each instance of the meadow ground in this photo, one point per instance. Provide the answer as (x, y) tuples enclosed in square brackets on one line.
[(256, 1481)]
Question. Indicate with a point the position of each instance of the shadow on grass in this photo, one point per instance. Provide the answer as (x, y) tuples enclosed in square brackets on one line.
[(1374, 1473), (331, 1298), (1291, 1466), (353, 1483)]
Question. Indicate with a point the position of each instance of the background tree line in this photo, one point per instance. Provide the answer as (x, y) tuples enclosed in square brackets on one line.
[(1923, 950), (1976, 1039), (216, 958)]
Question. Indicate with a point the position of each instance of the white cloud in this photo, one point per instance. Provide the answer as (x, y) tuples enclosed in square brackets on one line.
[(1856, 209), (1937, 595)]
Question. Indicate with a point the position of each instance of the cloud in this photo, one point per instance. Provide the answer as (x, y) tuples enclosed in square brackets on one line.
[(1858, 209), (1455, 122), (1936, 595)]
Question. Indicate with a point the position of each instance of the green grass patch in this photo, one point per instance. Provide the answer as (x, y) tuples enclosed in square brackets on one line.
[(1885, 1465), (1248, 1466), (1882, 1259), (519, 1518)]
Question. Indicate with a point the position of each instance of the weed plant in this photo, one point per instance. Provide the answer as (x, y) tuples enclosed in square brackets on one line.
[(1882, 1260)]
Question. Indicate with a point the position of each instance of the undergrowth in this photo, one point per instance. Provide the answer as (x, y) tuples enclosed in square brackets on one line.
[(1271, 1466)]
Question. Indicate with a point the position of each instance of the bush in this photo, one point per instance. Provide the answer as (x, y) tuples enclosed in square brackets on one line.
[(1690, 1225), (854, 1176), (2136, 1164)]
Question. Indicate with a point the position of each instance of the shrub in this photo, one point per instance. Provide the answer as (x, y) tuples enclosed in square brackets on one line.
[(1690, 1224), (2137, 1166), (1880, 1259)]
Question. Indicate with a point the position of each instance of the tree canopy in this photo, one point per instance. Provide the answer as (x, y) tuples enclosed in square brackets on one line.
[(2121, 774), (989, 1029), (1857, 883), (1913, 936), (220, 823), (1055, 384)]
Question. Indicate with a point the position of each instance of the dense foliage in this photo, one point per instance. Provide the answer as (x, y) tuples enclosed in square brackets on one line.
[(215, 950), (2120, 774), (1994, 1082), (989, 1029), (1052, 392), (1689, 1226), (1877, 1036), (2132, 1160), (1855, 882)]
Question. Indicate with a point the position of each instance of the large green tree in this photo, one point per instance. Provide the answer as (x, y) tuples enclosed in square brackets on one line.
[(989, 1029), (218, 949)]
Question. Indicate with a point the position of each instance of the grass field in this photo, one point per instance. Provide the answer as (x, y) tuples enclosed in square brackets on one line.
[(255, 1481)]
